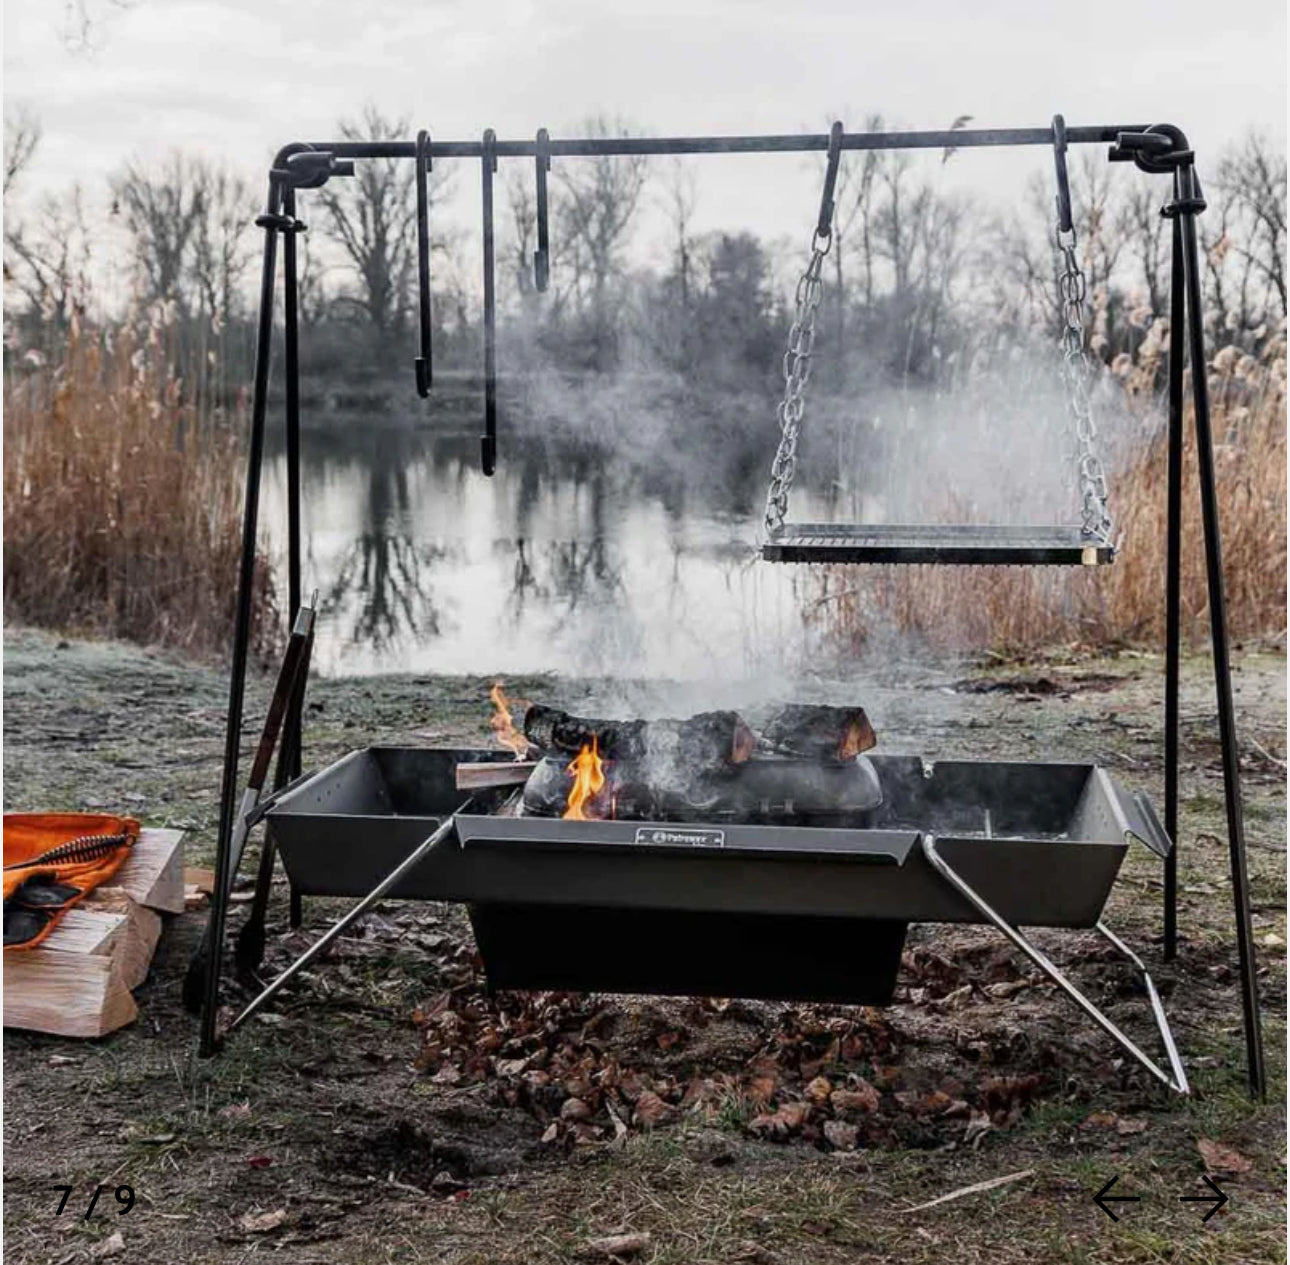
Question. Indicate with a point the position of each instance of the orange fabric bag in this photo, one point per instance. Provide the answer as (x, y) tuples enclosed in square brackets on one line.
[(51, 860)]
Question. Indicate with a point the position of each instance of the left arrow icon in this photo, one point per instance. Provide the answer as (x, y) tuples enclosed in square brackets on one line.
[(1102, 1198)]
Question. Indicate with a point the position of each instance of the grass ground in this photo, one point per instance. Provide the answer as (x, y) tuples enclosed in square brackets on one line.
[(372, 1159)]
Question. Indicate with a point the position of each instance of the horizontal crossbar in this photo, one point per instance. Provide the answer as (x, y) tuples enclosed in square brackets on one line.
[(591, 147)]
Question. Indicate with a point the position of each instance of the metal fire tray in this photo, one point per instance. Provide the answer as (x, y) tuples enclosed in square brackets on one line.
[(979, 545), (798, 911), (1041, 842)]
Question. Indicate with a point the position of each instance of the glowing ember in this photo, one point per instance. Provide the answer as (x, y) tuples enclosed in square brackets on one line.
[(588, 771), (503, 727)]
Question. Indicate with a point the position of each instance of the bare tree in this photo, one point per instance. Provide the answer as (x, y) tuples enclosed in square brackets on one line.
[(49, 263), (162, 211), (21, 136), (1148, 241), (596, 202), (522, 201), (1254, 179), (372, 215), (222, 241), (84, 20)]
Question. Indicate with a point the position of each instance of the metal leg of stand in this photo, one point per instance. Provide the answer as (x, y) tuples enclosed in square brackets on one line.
[(1173, 585), (411, 860), (1176, 1082), (292, 739), (242, 633), (1218, 636)]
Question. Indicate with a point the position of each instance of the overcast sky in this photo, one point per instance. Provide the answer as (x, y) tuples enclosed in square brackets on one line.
[(236, 78)]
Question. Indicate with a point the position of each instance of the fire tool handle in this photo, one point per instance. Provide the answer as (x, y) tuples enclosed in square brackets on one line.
[(281, 693)]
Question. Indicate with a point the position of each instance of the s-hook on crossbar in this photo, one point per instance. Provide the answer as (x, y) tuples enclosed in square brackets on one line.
[(1155, 148)]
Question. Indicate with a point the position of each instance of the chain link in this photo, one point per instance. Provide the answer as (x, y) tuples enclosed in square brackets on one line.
[(1072, 290), (797, 372)]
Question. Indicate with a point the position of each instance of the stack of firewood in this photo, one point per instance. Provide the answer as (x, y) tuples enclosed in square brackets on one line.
[(78, 981)]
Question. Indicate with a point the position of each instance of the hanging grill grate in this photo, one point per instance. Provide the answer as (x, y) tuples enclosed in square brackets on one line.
[(1089, 544)]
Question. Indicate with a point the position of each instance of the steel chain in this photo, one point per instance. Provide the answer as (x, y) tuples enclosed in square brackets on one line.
[(797, 372), (1072, 291)]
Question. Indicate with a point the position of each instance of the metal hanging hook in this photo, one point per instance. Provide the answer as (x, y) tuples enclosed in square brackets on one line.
[(1065, 220), (824, 228), (488, 440), (424, 371), (542, 256)]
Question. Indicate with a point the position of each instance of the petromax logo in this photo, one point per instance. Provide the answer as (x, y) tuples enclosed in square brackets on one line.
[(681, 838)]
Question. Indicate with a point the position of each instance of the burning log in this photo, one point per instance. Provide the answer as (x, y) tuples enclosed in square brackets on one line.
[(819, 732), (710, 739)]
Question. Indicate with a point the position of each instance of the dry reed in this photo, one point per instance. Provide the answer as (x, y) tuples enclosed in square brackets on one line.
[(122, 505), (1018, 611)]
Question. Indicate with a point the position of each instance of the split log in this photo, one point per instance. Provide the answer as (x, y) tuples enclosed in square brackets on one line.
[(819, 732), (706, 740), (153, 873), (77, 981), (479, 775)]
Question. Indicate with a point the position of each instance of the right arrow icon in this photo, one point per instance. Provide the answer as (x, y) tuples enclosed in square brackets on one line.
[(1204, 1199)]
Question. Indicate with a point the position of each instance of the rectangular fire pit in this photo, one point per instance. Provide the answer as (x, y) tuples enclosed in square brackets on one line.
[(792, 910)]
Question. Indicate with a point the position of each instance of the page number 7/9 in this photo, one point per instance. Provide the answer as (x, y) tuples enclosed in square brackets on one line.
[(124, 1196)]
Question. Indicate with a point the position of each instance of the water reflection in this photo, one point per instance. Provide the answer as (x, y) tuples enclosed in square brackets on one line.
[(564, 561)]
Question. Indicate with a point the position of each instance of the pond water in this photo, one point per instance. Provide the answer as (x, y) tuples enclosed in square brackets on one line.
[(566, 560)]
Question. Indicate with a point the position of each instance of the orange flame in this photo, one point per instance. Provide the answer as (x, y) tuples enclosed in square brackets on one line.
[(859, 737), (588, 771), (504, 730)]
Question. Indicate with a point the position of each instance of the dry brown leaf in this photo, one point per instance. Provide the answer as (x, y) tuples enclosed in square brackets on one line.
[(818, 1091), (1101, 1120), (652, 1110), (1127, 1125), (265, 1222), (861, 1099), (575, 1109), (1222, 1159), (113, 1245), (761, 1089), (780, 1124)]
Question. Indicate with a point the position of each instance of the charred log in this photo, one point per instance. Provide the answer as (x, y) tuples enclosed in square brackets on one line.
[(819, 732), (757, 790), (707, 740)]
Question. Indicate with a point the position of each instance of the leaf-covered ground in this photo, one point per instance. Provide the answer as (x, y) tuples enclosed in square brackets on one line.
[(389, 1109)]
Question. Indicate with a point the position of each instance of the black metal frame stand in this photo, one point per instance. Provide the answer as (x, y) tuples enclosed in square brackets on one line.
[(1158, 148)]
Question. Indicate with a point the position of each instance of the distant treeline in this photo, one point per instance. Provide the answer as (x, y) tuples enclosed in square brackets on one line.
[(919, 282)]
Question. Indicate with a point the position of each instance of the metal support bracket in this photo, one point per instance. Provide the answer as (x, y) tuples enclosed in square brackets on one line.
[(409, 862), (1177, 1081)]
